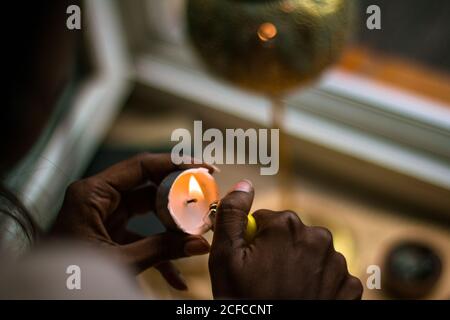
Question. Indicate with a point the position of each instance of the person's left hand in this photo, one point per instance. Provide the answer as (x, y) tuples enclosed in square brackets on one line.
[(98, 208)]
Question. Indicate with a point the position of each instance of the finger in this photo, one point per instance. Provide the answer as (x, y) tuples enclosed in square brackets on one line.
[(124, 236), (288, 220), (135, 202), (284, 226), (131, 173), (141, 200), (172, 275), (351, 289), (162, 247), (264, 217), (231, 219), (333, 276)]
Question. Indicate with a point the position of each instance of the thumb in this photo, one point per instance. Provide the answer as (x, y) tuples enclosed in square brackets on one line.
[(231, 219), (162, 247)]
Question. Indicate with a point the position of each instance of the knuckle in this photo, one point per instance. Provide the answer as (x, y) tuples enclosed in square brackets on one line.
[(75, 189), (263, 214), (356, 288), (265, 219), (92, 187), (339, 261), (320, 236), (92, 192), (292, 222), (74, 186), (144, 155), (289, 216)]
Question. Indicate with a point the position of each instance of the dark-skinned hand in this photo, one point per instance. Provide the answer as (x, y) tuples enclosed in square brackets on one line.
[(97, 209), (285, 260)]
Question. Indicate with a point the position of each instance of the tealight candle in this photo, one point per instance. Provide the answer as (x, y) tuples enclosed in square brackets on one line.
[(187, 201), (183, 200)]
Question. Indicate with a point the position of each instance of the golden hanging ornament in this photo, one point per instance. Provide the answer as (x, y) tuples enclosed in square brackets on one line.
[(269, 46)]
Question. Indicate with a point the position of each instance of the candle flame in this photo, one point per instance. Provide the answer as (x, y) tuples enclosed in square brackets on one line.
[(195, 191)]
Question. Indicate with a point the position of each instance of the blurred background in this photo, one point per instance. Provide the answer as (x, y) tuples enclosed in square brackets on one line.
[(366, 131)]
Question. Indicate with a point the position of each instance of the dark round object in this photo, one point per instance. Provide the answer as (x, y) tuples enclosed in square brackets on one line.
[(269, 46), (411, 270)]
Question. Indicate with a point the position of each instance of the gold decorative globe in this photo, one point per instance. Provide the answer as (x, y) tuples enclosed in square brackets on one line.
[(269, 46)]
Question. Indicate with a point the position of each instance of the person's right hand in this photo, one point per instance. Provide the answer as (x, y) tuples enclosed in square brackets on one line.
[(285, 260)]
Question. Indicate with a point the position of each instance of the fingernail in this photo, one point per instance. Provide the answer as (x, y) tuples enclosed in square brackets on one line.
[(243, 185), (196, 247)]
